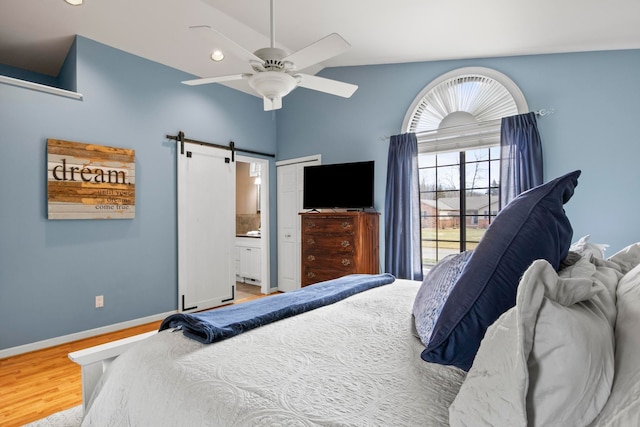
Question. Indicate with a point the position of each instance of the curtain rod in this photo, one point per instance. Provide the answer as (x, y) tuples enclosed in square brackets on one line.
[(541, 113), (231, 147), (545, 112)]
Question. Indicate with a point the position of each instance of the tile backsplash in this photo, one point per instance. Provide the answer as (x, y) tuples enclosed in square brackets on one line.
[(247, 222)]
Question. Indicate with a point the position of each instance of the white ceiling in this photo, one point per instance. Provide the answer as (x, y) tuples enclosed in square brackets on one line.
[(36, 34)]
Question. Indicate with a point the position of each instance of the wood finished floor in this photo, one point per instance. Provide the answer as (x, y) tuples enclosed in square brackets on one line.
[(40, 383), (244, 290)]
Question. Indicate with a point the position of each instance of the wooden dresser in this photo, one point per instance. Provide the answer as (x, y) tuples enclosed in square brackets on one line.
[(338, 243)]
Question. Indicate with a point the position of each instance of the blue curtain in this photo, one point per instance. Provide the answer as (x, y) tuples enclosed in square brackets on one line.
[(520, 156), (403, 251)]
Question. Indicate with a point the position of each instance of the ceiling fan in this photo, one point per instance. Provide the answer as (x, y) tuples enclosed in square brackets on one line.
[(275, 71)]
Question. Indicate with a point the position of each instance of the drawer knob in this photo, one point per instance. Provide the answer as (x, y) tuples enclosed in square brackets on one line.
[(311, 224), (311, 275), (346, 224), (346, 262), (311, 258), (311, 241), (345, 243)]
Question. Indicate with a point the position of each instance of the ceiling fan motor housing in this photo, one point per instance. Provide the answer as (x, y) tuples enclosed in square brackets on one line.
[(272, 57)]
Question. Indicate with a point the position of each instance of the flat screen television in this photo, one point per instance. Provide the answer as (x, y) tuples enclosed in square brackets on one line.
[(340, 185)]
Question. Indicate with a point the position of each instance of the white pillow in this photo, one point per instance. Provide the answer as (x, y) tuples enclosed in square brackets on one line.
[(584, 248), (623, 407), (549, 360), (627, 258)]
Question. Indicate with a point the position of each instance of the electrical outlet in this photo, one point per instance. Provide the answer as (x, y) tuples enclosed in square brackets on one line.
[(99, 301)]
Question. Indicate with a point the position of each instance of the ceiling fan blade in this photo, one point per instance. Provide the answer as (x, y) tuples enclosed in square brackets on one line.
[(323, 49), (321, 84), (272, 104), (225, 44), (217, 79)]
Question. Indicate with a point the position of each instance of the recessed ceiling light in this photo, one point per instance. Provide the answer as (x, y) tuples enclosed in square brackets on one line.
[(74, 2), (217, 56)]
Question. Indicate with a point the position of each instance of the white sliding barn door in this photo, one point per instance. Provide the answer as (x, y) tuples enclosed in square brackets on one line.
[(206, 227)]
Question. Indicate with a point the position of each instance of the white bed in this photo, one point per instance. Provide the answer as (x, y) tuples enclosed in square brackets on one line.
[(355, 362), (318, 368), (548, 332)]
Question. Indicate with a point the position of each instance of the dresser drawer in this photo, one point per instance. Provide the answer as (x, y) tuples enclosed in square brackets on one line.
[(311, 275), (322, 260), (329, 243), (327, 225)]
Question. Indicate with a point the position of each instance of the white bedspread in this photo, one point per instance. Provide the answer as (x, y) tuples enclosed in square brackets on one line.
[(355, 362)]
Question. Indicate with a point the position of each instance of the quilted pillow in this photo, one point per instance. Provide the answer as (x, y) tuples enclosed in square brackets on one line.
[(533, 226), (434, 291), (548, 361)]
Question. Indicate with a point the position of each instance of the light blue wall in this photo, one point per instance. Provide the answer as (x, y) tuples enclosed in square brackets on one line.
[(51, 270), (595, 128), (68, 75)]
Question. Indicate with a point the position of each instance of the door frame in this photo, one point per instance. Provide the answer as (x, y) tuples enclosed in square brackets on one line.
[(265, 239)]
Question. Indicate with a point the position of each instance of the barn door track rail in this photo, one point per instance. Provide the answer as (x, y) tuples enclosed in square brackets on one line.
[(231, 147)]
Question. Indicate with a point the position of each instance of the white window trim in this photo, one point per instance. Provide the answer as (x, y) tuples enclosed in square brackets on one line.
[(458, 138)]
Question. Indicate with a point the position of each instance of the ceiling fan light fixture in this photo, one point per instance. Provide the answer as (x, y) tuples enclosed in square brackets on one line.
[(217, 56), (272, 84), (74, 2)]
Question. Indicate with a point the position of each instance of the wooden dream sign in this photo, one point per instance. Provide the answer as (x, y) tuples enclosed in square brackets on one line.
[(88, 181)]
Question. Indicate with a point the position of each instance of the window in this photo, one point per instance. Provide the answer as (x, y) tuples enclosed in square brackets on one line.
[(457, 121), (456, 212)]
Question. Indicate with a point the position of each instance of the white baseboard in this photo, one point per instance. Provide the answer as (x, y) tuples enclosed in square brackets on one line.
[(39, 345)]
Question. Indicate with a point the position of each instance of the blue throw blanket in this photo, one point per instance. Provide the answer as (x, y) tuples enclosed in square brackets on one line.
[(219, 324)]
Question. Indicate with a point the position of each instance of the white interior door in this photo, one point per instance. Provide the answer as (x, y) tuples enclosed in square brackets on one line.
[(290, 192), (206, 227)]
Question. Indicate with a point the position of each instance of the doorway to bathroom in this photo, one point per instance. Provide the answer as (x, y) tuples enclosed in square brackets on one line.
[(252, 227)]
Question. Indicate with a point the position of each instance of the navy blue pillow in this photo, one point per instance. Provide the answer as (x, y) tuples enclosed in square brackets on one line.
[(533, 226)]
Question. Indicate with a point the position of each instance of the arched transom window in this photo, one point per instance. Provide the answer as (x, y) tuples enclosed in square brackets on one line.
[(457, 121)]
